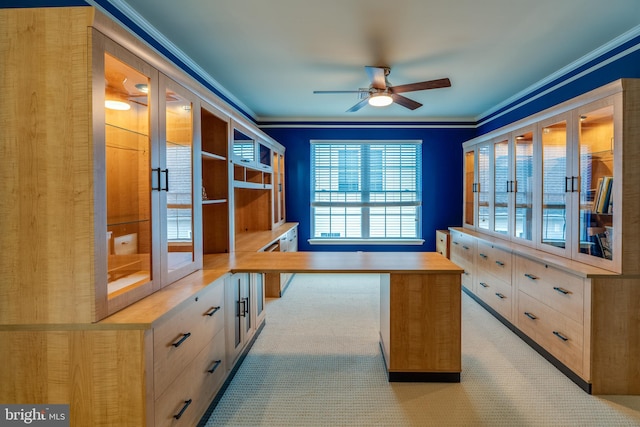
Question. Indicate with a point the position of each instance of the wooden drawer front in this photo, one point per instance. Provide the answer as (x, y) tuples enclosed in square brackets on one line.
[(196, 384), (467, 279), (496, 293), (462, 249), (494, 261), (559, 290), (558, 334), (442, 242), (180, 337)]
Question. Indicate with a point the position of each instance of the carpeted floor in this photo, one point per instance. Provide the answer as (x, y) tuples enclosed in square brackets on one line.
[(318, 363)]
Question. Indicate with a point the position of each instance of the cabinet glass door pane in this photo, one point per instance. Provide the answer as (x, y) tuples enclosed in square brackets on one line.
[(483, 186), (523, 186), (469, 186), (554, 181), (596, 183), (501, 195), (179, 170), (128, 174)]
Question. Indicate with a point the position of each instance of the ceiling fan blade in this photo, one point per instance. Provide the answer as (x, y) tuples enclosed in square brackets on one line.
[(359, 105), (377, 76), (405, 102), (340, 91), (431, 84)]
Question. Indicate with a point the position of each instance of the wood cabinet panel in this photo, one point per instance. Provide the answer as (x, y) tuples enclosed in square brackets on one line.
[(495, 292), (561, 291), (494, 261), (197, 384), (558, 334), (179, 337)]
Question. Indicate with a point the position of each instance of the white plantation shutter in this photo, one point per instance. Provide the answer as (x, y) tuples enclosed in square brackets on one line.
[(366, 190)]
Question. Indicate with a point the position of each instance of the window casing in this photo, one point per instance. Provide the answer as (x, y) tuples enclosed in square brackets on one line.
[(366, 191)]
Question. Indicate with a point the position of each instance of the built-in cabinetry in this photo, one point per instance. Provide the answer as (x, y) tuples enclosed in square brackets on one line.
[(443, 240), (558, 181), (549, 204), (119, 172)]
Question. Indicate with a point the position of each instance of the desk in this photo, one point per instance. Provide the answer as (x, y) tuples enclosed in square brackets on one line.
[(420, 303)]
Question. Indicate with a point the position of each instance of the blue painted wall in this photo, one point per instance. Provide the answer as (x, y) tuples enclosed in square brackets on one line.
[(441, 182)]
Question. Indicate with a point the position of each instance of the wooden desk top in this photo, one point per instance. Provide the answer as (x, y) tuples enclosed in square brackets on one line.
[(336, 262)]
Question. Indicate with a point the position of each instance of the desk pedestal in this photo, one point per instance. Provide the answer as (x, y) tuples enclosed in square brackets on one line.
[(420, 326)]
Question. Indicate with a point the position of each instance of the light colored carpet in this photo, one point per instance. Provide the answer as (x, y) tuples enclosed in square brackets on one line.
[(318, 363)]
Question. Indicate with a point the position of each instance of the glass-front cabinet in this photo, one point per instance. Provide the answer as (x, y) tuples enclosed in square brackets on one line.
[(555, 182), (470, 193), (556, 185), (175, 185), (131, 241), (144, 197), (595, 162), (521, 186), (501, 169)]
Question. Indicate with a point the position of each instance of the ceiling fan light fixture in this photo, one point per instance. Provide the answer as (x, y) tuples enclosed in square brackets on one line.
[(380, 99)]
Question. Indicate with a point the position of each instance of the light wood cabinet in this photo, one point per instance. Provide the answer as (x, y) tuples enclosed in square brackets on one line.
[(110, 207), (558, 180), (567, 282), (443, 242)]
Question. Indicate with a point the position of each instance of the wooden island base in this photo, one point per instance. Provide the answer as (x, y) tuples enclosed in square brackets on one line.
[(420, 304)]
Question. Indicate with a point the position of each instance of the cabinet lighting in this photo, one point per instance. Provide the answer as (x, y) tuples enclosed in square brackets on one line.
[(116, 105)]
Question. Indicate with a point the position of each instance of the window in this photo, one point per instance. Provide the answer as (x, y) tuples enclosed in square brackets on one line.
[(366, 192)]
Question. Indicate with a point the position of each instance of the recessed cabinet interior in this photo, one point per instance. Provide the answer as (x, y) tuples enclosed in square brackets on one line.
[(215, 181)]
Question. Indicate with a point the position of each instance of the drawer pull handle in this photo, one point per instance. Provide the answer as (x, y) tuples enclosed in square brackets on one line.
[(483, 256), (181, 340), (500, 263), (455, 243), (559, 335), (530, 315), (184, 408), (530, 276), (215, 366), (561, 290), (465, 247), (499, 295), (484, 285), (212, 311)]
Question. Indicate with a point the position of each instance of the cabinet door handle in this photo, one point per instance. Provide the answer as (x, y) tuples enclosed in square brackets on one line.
[(158, 173), (530, 315), (575, 184), (499, 295), (184, 408), (530, 276), (561, 290), (216, 363), (500, 263), (566, 184), (244, 310), (166, 180), (483, 256), (212, 311), (465, 247), (559, 335), (181, 340), (484, 285), (455, 243)]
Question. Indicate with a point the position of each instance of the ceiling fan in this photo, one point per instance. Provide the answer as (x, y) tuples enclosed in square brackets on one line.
[(380, 93)]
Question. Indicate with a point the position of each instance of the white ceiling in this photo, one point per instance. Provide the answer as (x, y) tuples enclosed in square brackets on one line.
[(270, 55)]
